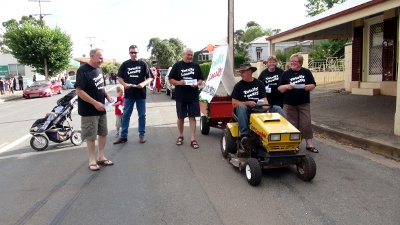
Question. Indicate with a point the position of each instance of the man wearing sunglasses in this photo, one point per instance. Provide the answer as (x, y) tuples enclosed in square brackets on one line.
[(134, 75)]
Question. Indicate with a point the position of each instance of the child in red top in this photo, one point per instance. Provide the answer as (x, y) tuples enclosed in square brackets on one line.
[(119, 108)]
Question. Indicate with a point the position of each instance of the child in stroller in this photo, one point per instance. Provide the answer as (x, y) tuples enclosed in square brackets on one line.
[(52, 126)]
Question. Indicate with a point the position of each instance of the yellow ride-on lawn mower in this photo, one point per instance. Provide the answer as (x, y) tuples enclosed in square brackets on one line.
[(273, 142)]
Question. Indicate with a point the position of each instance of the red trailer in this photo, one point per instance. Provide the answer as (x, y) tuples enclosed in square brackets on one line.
[(215, 114)]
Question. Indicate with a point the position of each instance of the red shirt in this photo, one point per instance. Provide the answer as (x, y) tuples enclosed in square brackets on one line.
[(117, 110)]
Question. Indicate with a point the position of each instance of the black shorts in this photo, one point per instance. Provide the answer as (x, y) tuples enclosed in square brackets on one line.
[(187, 109)]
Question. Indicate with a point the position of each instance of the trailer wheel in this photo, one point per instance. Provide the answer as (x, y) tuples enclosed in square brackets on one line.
[(306, 168), (253, 172), (76, 137), (228, 143), (204, 125), (39, 142)]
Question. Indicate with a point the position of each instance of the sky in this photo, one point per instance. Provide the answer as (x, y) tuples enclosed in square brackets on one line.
[(114, 25)]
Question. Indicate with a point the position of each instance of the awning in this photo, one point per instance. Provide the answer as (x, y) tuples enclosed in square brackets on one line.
[(74, 63)]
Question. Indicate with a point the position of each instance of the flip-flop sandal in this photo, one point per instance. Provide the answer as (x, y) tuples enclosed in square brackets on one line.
[(94, 169), (179, 141), (105, 162), (194, 144), (312, 149)]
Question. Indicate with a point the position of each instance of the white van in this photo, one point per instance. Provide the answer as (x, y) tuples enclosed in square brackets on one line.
[(170, 89)]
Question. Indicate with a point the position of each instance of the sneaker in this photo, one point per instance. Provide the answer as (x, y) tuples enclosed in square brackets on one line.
[(120, 140), (246, 143), (142, 140)]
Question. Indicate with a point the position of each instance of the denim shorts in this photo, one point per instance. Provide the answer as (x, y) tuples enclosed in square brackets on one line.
[(187, 109), (94, 125)]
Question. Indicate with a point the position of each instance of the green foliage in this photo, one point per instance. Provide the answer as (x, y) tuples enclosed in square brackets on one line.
[(329, 48), (283, 57), (240, 59), (315, 7), (251, 24), (109, 68), (166, 52), (253, 33), (32, 44), (205, 69)]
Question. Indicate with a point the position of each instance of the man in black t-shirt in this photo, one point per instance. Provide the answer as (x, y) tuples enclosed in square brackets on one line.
[(245, 95), (186, 76), (134, 75), (91, 98)]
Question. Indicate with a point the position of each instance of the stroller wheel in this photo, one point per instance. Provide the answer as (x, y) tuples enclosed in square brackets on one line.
[(39, 142), (76, 137)]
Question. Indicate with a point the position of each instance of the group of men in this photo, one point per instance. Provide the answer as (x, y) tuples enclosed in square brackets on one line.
[(135, 75)]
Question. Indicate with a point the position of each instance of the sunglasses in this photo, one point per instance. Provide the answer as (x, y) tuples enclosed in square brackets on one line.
[(133, 53)]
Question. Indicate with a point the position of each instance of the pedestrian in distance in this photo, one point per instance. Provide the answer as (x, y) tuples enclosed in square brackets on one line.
[(91, 99), (119, 107), (270, 77), (134, 75), (20, 82), (296, 84), (2, 83), (186, 75)]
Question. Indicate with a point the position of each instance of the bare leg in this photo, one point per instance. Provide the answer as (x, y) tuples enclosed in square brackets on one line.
[(90, 148), (101, 143), (192, 124), (180, 126), (309, 143)]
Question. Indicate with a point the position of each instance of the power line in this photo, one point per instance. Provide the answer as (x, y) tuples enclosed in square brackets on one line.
[(40, 11), (90, 42)]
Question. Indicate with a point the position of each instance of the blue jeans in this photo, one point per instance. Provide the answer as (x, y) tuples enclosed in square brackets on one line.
[(243, 115), (128, 108)]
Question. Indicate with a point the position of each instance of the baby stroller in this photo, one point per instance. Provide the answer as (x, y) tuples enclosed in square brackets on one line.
[(52, 126)]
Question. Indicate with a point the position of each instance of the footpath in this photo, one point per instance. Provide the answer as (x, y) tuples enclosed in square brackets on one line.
[(365, 122)]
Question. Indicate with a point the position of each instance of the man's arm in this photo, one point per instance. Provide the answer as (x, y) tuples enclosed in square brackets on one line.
[(236, 103), (85, 97)]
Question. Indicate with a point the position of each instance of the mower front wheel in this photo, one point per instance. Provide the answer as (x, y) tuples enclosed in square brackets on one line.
[(306, 168), (253, 172)]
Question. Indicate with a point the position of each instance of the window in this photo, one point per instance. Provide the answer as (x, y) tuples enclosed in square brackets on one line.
[(258, 52), (16, 69)]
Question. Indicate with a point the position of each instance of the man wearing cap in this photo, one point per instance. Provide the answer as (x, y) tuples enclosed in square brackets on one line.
[(245, 95)]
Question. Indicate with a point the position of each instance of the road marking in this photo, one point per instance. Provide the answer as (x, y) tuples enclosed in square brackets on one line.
[(14, 143), (7, 147)]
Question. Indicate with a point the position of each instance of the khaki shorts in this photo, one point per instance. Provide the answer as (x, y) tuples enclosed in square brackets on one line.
[(94, 125), (118, 121)]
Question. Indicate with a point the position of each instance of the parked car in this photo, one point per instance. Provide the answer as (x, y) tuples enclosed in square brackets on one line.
[(42, 88), (170, 89)]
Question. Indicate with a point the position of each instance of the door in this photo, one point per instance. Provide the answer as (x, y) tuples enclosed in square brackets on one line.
[(373, 67)]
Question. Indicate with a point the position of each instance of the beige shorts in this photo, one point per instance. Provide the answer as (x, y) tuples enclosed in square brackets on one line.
[(118, 121), (94, 125)]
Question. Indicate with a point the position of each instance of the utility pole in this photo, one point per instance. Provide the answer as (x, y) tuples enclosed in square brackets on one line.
[(41, 25), (90, 42), (231, 32)]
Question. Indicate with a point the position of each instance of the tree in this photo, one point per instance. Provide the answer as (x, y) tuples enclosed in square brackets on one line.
[(251, 24), (255, 32), (166, 52), (329, 48), (34, 45), (315, 7)]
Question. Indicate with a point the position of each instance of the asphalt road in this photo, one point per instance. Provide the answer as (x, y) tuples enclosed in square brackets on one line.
[(161, 183)]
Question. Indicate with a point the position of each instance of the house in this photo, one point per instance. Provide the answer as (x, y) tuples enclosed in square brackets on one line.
[(10, 66), (204, 55), (373, 57), (259, 48)]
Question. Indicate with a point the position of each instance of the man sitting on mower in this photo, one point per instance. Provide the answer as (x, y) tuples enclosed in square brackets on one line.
[(245, 95)]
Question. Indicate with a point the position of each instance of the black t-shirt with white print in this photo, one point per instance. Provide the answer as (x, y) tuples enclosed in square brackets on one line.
[(271, 81), (186, 71), (134, 72), (297, 96), (249, 91), (91, 81)]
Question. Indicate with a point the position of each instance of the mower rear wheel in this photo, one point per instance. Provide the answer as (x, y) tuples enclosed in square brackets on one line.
[(204, 125), (306, 168), (76, 137), (253, 172), (228, 143), (39, 142)]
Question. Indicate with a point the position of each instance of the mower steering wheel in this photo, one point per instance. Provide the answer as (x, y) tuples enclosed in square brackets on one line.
[(260, 109)]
